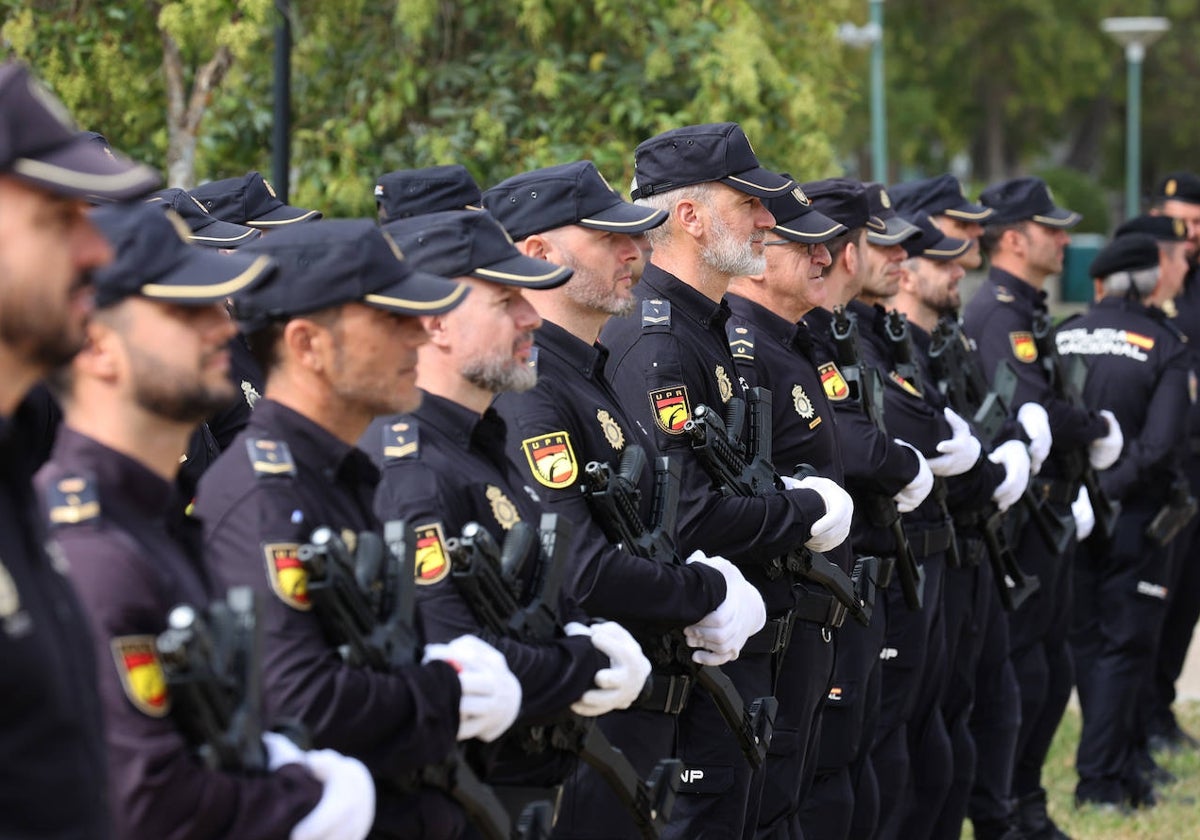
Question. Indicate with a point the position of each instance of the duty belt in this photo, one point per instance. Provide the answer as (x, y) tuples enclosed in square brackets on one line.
[(928, 541), (668, 693), (1056, 490), (821, 608), (774, 636)]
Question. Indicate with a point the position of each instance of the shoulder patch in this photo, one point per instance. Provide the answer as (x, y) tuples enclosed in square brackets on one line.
[(656, 313), (141, 674), (741, 342), (612, 430), (503, 510), (903, 383), (833, 382), (401, 439), (671, 408), (551, 459), (270, 457), (432, 561), (288, 577), (1023, 346), (72, 500)]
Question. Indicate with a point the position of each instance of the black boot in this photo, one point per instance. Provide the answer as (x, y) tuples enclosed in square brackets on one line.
[(1034, 822)]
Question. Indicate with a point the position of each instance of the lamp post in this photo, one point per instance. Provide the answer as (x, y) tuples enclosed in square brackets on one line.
[(871, 35), (1135, 34)]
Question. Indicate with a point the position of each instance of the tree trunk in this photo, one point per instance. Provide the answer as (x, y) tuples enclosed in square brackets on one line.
[(185, 111)]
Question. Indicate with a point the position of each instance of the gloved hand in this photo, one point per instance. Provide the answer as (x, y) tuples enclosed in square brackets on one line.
[(1085, 517), (618, 685), (1104, 452), (722, 632), (281, 750), (491, 695), (831, 529), (1014, 457), (1036, 423), (346, 808), (960, 451), (912, 494)]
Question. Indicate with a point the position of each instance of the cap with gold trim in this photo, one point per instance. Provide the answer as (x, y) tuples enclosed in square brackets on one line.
[(331, 262), (931, 243), (250, 200), (432, 189), (697, 154), (844, 200), (798, 220), (470, 243), (1162, 228), (941, 195), (39, 144), (152, 259), (896, 230), (206, 229), (1026, 199)]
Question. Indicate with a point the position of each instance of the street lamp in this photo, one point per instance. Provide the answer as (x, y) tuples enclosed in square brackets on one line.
[(1135, 34), (871, 35)]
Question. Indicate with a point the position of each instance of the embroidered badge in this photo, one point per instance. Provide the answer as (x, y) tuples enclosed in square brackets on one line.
[(141, 674), (72, 500), (612, 431), (904, 383), (1023, 346), (1004, 295), (741, 343), (504, 511), (287, 574), (723, 384), (250, 392), (803, 404), (431, 563), (671, 408), (832, 381), (551, 459), (400, 440), (270, 457)]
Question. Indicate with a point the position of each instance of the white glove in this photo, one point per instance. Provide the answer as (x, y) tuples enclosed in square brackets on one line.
[(491, 695), (912, 494), (1104, 452), (1014, 457), (618, 685), (281, 750), (1036, 423), (960, 451), (1085, 518), (346, 808), (831, 529), (722, 632)]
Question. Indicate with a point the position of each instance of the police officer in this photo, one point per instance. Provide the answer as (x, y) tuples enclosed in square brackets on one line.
[(154, 366), (569, 215), (51, 740), (1137, 364), (1024, 241), (944, 200), (336, 335), (772, 349), (672, 355), (444, 465), (404, 193)]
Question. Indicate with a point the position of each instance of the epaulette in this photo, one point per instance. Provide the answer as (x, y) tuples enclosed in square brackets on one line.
[(401, 439), (656, 313), (72, 500), (1004, 295), (741, 341), (270, 457), (533, 358)]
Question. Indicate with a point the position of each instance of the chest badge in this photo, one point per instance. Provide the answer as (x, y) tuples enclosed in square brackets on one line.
[(723, 384), (287, 575), (503, 510), (803, 404), (833, 382), (10, 598), (671, 409), (1023, 346), (431, 563), (141, 674), (551, 459), (612, 431), (250, 392)]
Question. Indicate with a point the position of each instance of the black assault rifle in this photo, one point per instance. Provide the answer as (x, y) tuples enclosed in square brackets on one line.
[(614, 498), (490, 579), (364, 601)]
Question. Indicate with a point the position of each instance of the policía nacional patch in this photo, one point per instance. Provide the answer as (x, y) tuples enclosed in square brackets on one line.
[(833, 382), (551, 459), (141, 674), (431, 562), (287, 575), (671, 408), (1023, 346)]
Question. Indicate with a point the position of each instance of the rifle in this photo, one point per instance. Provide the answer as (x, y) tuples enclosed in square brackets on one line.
[(746, 470), (614, 498), (880, 510), (489, 578), (1174, 516), (960, 379), (365, 601), (212, 662), (1068, 385)]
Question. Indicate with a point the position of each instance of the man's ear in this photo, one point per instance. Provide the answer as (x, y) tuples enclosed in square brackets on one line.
[(690, 216), (308, 343), (851, 256), (536, 246), (102, 350), (437, 328)]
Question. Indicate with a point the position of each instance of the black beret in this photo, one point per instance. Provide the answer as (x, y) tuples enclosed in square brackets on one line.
[(1180, 186), (1131, 252), (1162, 228)]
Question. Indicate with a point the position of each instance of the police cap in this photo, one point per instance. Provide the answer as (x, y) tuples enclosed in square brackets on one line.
[(697, 154), (1162, 228), (250, 200), (1131, 252), (1179, 186), (798, 220), (942, 195), (1026, 199), (895, 229), (415, 192), (931, 243), (206, 229), (844, 200)]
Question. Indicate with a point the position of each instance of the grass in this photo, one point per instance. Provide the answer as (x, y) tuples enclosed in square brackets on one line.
[(1178, 811)]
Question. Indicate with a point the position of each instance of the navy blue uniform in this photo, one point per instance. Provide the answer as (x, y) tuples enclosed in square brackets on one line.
[(574, 407), (668, 358), (776, 354), (1138, 369), (53, 770), (132, 559), (282, 477)]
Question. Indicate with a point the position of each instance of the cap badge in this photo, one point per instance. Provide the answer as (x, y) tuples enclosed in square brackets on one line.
[(612, 431), (1171, 187), (885, 199), (551, 459), (503, 510), (270, 189), (799, 195), (1179, 227)]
